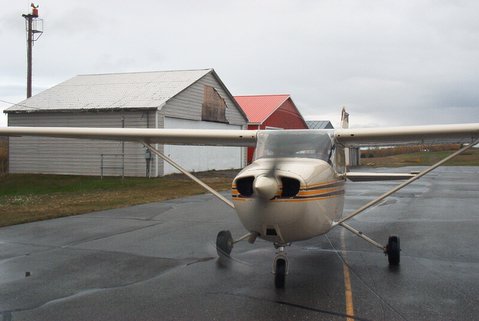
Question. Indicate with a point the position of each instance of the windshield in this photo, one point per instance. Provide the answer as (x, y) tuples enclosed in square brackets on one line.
[(300, 143)]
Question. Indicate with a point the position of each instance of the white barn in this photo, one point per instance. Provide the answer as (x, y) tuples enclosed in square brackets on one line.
[(165, 99)]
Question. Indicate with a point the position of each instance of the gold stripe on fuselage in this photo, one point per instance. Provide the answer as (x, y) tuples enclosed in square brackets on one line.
[(306, 193), (317, 191), (299, 200), (329, 184), (289, 200)]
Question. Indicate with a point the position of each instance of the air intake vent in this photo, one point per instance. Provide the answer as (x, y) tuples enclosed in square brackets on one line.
[(271, 231), (290, 187), (245, 186)]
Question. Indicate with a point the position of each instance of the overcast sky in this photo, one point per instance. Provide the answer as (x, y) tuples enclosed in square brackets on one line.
[(388, 62)]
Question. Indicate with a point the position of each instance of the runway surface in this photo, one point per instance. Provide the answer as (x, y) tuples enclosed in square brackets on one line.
[(158, 262)]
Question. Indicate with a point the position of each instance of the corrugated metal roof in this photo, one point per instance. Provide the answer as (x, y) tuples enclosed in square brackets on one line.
[(112, 91), (319, 124), (259, 108)]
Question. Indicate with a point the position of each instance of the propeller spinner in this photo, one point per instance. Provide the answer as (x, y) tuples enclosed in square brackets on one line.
[(265, 187)]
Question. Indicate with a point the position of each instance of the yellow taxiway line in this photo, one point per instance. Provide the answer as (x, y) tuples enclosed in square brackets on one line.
[(348, 290)]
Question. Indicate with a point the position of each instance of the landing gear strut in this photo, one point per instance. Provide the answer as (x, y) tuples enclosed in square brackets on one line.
[(280, 268), (392, 249)]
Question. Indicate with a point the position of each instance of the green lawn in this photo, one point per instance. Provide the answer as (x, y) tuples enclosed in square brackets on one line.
[(469, 158), (27, 198)]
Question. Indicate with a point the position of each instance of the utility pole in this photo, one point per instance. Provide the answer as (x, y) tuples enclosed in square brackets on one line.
[(34, 28)]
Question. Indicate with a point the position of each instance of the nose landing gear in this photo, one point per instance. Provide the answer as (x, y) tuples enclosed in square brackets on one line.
[(224, 246), (280, 267)]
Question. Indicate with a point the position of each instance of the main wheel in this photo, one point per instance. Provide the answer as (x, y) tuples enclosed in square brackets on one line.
[(393, 250), (224, 243), (280, 274)]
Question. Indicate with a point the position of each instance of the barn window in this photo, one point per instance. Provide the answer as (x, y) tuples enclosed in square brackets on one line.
[(214, 106)]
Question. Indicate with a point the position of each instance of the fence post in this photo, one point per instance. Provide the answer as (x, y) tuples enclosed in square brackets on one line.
[(101, 166)]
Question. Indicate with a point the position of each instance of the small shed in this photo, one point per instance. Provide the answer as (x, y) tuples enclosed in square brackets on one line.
[(319, 124), (270, 112), (164, 99)]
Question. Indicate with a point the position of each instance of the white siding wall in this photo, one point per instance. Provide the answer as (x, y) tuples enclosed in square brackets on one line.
[(77, 156), (159, 166), (202, 158)]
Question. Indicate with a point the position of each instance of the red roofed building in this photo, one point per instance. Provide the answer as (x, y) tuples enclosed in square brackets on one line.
[(270, 112)]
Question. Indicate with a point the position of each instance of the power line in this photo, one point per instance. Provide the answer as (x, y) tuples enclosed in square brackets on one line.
[(20, 105)]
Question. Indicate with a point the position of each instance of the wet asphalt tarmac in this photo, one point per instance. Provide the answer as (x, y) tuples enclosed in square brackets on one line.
[(158, 262)]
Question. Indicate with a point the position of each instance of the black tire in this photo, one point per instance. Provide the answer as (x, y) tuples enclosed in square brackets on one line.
[(280, 274), (224, 243), (393, 250)]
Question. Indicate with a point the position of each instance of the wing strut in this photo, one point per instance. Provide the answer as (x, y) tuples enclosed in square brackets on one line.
[(184, 171), (406, 183), (361, 235)]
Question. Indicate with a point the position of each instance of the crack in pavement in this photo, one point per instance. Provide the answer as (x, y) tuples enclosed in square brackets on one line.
[(294, 305)]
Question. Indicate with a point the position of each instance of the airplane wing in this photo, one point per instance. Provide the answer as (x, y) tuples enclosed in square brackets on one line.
[(149, 135), (388, 136), (408, 135)]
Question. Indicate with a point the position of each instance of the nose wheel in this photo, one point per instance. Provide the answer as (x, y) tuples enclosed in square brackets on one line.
[(280, 268)]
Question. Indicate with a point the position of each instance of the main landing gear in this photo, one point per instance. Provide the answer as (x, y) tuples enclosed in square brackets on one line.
[(224, 243), (393, 250)]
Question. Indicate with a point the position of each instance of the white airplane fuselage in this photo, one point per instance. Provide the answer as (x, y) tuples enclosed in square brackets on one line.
[(306, 198)]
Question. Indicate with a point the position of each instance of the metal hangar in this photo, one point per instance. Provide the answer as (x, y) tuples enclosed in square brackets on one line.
[(163, 99)]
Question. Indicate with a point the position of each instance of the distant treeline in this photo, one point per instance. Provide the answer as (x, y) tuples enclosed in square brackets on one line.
[(3, 155), (389, 151)]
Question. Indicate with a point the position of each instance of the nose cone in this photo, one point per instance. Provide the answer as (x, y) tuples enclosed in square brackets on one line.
[(265, 187)]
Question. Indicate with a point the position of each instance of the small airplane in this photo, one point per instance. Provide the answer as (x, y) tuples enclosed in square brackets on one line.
[(295, 188)]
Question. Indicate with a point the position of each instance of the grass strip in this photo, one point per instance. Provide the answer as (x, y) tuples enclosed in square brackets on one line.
[(28, 198), (469, 158)]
